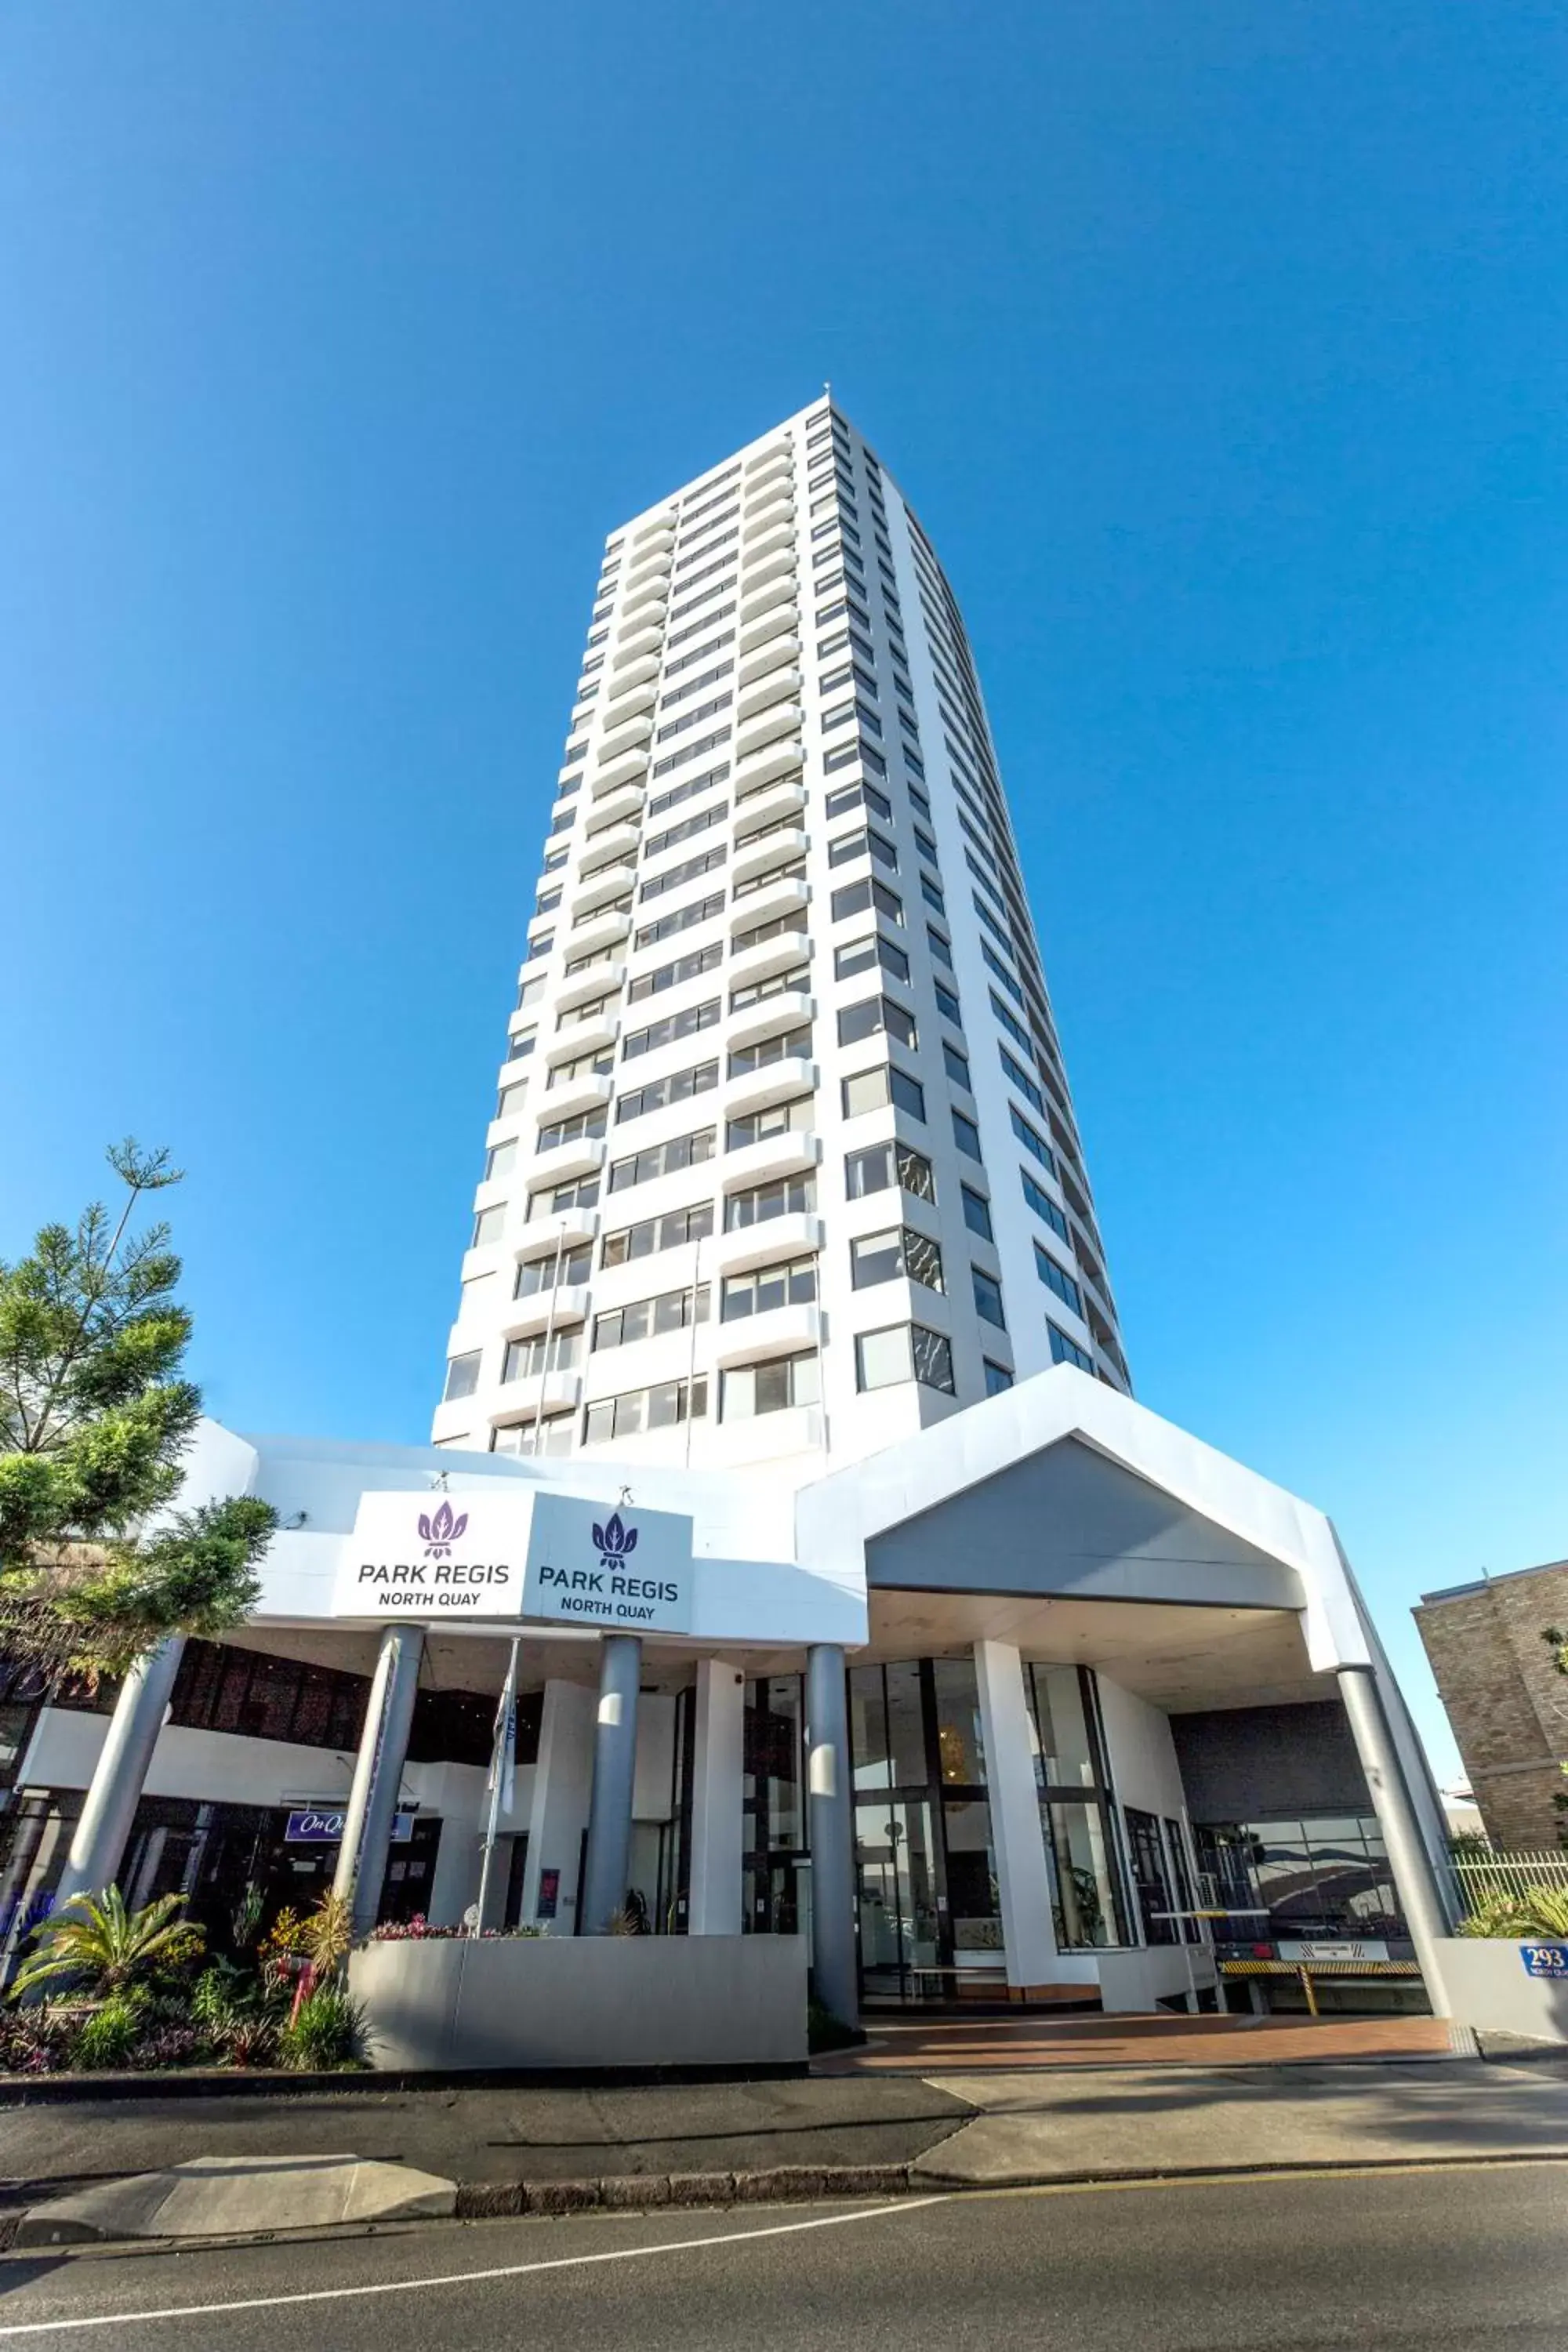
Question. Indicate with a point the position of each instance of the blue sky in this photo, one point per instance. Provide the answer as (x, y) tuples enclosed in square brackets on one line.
[(1222, 349)]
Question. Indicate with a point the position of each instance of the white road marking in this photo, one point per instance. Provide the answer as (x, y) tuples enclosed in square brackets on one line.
[(461, 2278)]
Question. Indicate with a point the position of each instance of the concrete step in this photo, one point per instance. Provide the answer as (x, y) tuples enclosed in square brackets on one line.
[(228, 2196)]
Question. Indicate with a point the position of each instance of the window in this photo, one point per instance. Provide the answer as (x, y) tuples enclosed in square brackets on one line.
[(680, 1086), (794, 1118), (862, 955), (688, 870), (671, 975), (977, 1214), (665, 1407), (510, 1100), (501, 1161), (561, 1266), (907, 1351), (687, 790), (692, 751), (900, 1251), (594, 1065), (853, 796), (966, 1135), (488, 1227), (646, 1319), (681, 919), (847, 754), (582, 1193), (792, 869), (866, 841), (947, 1004), (785, 1196), (1067, 1352), (1052, 1275), (751, 1389), (777, 928), (1029, 1139), (525, 1358), (873, 1016), (1018, 1077), (673, 1027), (874, 1089), (586, 1127), (790, 1284), (686, 830), (882, 1165), (592, 1008), (655, 1233), (957, 1066), (597, 914), (794, 983), (939, 947), (931, 895), (760, 1056), (1043, 1205), (861, 897), (997, 1378), (988, 1298), (663, 1158), (462, 1377)]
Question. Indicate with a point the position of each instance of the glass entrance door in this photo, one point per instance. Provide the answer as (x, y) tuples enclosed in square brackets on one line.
[(903, 1922)]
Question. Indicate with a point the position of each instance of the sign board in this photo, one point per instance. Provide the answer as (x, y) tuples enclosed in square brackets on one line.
[(515, 1552), (433, 1557), (1544, 1959), (1334, 1947), (323, 1825), (625, 1570), (549, 1895)]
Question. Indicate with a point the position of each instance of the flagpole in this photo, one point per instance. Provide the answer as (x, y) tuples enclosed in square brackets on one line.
[(502, 1754)]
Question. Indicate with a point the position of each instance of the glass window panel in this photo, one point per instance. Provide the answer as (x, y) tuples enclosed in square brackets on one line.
[(906, 1725), (1064, 1754), (1083, 1886), (870, 1756), (974, 1903), (959, 1737)]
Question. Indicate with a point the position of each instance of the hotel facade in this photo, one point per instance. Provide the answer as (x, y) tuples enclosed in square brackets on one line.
[(786, 1441)]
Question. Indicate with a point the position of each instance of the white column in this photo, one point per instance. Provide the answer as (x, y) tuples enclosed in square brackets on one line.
[(558, 1813), (717, 1788), (98, 1839), (1015, 1832)]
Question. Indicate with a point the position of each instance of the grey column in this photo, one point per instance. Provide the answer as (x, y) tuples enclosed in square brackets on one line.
[(27, 1836), (836, 1976), (1407, 1855), (602, 1893), (98, 1845), (378, 1773)]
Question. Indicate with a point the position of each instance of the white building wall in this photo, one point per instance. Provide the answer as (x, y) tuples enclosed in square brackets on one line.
[(759, 628)]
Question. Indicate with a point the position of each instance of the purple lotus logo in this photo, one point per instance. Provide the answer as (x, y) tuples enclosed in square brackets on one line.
[(441, 1530), (615, 1541)]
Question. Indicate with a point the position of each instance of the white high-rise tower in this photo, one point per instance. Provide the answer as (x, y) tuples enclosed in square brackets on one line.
[(783, 1164)]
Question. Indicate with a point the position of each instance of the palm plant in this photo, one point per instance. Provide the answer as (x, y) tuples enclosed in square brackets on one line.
[(106, 1945)]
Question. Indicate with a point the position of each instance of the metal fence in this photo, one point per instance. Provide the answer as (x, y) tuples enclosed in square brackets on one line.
[(1478, 1876)]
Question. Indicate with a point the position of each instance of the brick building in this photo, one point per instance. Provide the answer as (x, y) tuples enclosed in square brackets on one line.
[(1507, 1702)]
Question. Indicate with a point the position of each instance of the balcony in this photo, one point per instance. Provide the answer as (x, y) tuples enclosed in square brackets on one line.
[(658, 533), (558, 1167), (776, 1082), (639, 696), (783, 897), (779, 719), (544, 1310), (774, 506), (787, 1009), (768, 956), (795, 1234), (619, 807), (773, 614), (595, 1036), (644, 608), (565, 1227), (761, 809), (612, 840), (757, 1338), (631, 736), (772, 653), (606, 931), (774, 570), (652, 565), (570, 1096), (635, 644), (780, 684), (626, 768), (612, 882), (794, 1151), (629, 669), (602, 981), (541, 1392), (779, 759), (758, 853), (779, 459)]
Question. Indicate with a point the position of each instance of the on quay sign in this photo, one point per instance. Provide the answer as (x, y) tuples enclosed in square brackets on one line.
[(432, 1558)]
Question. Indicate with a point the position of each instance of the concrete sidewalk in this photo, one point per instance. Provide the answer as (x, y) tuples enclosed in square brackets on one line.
[(146, 2166)]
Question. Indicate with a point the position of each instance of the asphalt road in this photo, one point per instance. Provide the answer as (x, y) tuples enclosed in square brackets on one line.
[(1472, 2256)]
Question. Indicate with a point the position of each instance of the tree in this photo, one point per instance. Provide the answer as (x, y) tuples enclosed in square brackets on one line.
[(95, 1422), (1556, 1641), (107, 1945)]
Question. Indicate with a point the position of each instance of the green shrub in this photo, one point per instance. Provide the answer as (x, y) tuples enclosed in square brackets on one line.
[(330, 2034), (1543, 1911), (106, 2038)]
